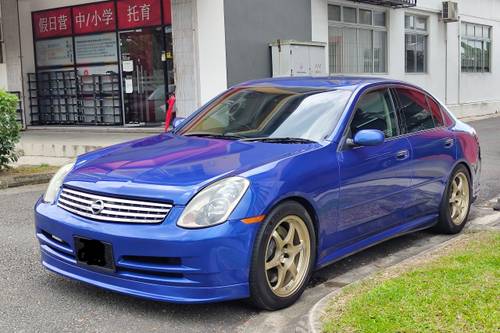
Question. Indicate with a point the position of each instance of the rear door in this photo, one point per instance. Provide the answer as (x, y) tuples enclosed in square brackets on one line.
[(374, 181), (433, 146)]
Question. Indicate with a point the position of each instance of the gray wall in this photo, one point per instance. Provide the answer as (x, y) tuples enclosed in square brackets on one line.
[(186, 79), (252, 24)]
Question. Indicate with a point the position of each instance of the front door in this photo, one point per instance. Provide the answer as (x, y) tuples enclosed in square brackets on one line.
[(143, 57), (374, 180)]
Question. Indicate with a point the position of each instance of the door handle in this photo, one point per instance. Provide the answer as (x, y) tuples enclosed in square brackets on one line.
[(449, 143), (402, 155)]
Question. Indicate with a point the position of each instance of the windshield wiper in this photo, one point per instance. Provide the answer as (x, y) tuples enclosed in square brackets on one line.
[(216, 136), (280, 140)]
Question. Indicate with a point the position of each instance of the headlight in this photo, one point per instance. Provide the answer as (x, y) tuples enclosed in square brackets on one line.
[(56, 183), (214, 204)]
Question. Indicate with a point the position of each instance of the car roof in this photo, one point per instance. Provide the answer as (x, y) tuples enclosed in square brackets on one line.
[(325, 82)]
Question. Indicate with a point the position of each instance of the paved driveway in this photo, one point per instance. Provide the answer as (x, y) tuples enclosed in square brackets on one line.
[(34, 300)]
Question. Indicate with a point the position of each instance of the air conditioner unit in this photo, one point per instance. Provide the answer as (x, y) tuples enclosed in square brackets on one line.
[(450, 11)]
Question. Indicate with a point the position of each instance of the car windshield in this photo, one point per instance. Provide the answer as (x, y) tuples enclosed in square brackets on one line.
[(270, 114)]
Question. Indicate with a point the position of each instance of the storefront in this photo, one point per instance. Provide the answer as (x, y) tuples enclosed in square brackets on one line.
[(103, 63)]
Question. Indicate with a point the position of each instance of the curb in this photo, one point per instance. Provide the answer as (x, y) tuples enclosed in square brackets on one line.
[(22, 180), (314, 323)]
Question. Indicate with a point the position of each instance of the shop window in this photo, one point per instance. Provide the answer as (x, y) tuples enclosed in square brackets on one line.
[(416, 44), (357, 40), (476, 48)]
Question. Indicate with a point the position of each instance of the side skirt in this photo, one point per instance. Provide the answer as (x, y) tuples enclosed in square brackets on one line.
[(400, 230)]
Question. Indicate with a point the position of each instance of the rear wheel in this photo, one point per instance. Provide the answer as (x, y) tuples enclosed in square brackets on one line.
[(455, 206), (283, 257)]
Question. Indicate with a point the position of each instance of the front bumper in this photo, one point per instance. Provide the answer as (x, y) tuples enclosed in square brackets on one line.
[(193, 266)]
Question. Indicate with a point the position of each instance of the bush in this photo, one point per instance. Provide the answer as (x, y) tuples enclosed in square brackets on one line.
[(9, 129)]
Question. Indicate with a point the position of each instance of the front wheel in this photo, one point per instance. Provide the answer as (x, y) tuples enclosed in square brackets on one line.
[(283, 257), (456, 203)]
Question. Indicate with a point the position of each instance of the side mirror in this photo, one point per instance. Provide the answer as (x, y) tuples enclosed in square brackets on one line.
[(177, 122), (370, 137)]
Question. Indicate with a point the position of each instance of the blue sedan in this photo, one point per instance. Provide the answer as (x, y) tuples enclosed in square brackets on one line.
[(266, 183)]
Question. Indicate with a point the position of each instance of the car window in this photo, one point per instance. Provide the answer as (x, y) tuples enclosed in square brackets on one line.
[(448, 120), (375, 110), (436, 112), (271, 112), (415, 110)]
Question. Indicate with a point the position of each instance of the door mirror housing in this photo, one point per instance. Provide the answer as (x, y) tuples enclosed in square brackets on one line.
[(177, 122), (370, 137)]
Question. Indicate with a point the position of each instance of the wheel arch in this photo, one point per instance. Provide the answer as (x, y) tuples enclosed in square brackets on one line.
[(309, 207), (472, 176), (467, 167)]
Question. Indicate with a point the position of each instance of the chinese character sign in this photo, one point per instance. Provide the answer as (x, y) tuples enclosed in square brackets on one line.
[(98, 17), (53, 23), (101, 17), (138, 13)]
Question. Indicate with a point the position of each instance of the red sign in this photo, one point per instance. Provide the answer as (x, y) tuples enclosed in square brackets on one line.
[(90, 18), (167, 12), (53, 23), (138, 13)]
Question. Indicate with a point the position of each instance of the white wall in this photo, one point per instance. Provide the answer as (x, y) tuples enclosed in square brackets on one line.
[(211, 48), (319, 30), (467, 94)]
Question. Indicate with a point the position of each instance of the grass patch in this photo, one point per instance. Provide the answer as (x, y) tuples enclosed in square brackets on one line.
[(28, 170), (456, 290)]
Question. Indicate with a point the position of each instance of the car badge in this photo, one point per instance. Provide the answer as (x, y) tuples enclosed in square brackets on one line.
[(97, 207)]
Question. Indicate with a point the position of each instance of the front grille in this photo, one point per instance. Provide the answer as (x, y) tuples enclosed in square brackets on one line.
[(110, 209)]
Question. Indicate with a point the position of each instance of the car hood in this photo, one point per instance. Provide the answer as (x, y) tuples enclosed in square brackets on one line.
[(172, 168)]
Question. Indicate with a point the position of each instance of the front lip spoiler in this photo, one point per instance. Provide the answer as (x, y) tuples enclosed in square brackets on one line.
[(197, 294)]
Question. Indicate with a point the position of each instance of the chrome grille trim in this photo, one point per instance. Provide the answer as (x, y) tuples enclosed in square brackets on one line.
[(114, 209)]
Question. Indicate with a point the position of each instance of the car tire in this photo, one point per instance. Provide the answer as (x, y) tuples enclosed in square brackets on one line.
[(456, 202), (278, 248)]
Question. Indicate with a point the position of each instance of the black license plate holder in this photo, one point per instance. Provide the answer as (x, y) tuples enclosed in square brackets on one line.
[(94, 254)]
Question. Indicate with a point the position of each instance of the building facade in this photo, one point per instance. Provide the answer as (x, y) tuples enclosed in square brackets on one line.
[(114, 62)]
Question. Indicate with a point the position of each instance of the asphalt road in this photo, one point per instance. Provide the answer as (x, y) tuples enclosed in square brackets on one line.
[(34, 300)]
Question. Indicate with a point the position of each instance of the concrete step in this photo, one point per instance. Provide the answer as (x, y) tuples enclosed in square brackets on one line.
[(55, 149), (57, 146)]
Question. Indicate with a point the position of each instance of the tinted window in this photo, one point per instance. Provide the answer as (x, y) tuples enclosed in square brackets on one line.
[(436, 112), (415, 110), (375, 110)]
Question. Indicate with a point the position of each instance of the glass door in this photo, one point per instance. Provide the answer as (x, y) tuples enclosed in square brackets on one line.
[(143, 75)]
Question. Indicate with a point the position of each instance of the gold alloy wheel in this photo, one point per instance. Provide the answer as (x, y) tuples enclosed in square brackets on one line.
[(459, 198), (288, 253)]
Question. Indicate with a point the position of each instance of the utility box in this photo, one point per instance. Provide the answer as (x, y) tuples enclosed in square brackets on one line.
[(293, 58)]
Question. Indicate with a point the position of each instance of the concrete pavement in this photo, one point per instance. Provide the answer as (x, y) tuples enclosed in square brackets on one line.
[(34, 300)]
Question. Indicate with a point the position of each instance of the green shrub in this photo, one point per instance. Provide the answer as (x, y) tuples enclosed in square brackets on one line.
[(9, 129)]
